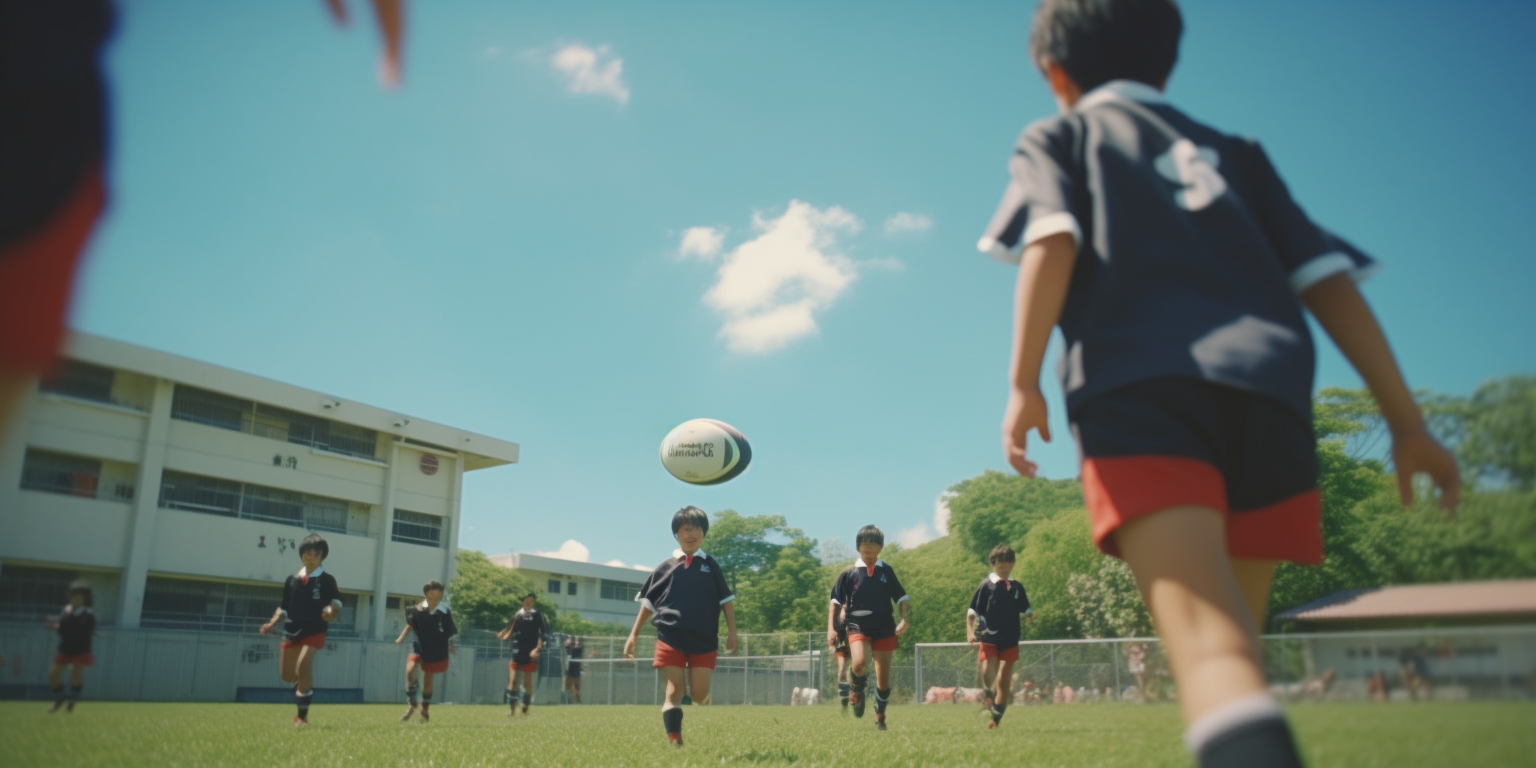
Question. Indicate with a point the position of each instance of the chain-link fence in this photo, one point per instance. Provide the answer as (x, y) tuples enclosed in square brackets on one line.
[(1412, 664)]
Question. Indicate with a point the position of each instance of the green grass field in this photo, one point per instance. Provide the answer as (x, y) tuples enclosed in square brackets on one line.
[(1465, 735)]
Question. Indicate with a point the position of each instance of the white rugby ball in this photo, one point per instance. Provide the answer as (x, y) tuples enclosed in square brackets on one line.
[(705, 452)]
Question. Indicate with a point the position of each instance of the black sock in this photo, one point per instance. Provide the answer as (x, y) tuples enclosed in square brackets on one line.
[(672, 720), (881, 699), (426, 701), (842, 692), (510, 697), (859, 683), (303, 700), (410, 695), (1250, 732), (527, 698), (997, 711)]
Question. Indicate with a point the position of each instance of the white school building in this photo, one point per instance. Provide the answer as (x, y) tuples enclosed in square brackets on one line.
[(601, 593), (180, 490)]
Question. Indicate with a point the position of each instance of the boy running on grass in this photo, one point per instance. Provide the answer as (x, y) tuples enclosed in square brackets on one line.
[(992, 623), (433, 624), (311, 600), (1178, 266), (75, 625), (862, 596), (687, 594), (526, 631)]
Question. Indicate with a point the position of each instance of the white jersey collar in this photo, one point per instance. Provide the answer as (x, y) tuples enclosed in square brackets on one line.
[(301, 574), (1129, 90), (442, 606)]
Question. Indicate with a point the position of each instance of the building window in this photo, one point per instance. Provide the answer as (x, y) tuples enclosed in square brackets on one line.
[(211, 408), (619, 590), (554, 587), (29, 594), (208, 495), (570, 587), (210, 606), (81, 380), (58, 473), (416, 528)]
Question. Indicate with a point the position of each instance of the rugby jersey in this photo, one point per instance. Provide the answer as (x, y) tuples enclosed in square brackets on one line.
[(432, 629), (527, 628), (686, 594), (76, 625), (870, 593), (1190, 250), (999, 603), (305, 595)]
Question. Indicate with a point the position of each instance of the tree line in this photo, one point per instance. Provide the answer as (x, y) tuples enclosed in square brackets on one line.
[(782, 577)]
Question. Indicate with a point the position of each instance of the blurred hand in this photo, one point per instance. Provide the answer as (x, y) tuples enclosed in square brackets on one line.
[(1026, 410), (1419, 452), (391, 25)]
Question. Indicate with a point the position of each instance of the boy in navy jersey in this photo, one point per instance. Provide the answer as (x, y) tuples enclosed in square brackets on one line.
[(75, 625), (687, 594), (433, 624), (1177, 266), (992, 623), (862, 597), (526, 631), (311, 600)]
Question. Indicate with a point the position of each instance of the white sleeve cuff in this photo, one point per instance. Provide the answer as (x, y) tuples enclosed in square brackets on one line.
[(835, 601), (728, 599), (1328, 265), (902, 599), (337, 602), (282, 613), (646, 604), (1029, 611), (1038, 229), (969, 612)]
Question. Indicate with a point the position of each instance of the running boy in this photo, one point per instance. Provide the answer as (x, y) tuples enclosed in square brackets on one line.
[(75, 625), (1177, 265), (311, 601), (526, 631), (686, 594), (862, 596), (433, 624), (574, 651), (992, 623), (840, 650)]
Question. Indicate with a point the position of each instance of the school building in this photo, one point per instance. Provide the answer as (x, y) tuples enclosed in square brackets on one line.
[(601, 593), (180, 490)]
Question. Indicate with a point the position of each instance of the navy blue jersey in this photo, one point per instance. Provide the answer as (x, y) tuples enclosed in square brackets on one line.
[(870, 594), (1190, 250), (998, 604), (432, 629), (686, 594), (304, 597), (573, 655), (528, 627), (76, 625)]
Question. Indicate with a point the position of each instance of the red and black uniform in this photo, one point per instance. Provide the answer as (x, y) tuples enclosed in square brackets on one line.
[(432, 629), (305, 595), (527, 628), (686, 594), (870, 593), (76, 626), (997, 606)]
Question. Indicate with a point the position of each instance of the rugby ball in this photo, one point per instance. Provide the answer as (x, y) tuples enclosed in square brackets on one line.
[(705, 452)]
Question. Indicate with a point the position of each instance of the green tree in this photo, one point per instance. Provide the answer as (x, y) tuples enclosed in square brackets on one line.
[(993, 508), (1500, 422), (1055, 550), (484, 595), (574, 624), (1106, 603), (788, 596), (940, 577), (741, 543)]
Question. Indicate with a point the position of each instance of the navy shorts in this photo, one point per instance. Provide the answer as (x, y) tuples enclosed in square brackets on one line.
[(1187, 442)]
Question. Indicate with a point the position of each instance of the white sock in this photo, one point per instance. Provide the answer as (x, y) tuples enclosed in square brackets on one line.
[(1237, 712)]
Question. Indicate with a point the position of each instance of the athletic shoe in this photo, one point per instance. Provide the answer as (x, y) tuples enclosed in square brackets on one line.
[(675, 739), (408, 713), (55, 707), (299, 722), (857, 700), (992, 725), (69, 707), (525, 709), (879, 722), (425, 716)]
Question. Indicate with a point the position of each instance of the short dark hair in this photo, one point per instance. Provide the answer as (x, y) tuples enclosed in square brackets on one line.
[(532, 595), (80, 587), (1002, 553), (693, 516), (431, 585), (316, 542), (869, 534), (1097, 41)]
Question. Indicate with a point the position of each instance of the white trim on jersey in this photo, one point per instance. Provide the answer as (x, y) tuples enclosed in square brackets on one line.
[(646, 603), (969, 612), (1038, 229), (1129, 90), (902, 599), (727, 599), (1328, 265)]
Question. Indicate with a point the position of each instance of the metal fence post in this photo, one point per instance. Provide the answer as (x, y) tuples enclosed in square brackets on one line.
[(917, 674)]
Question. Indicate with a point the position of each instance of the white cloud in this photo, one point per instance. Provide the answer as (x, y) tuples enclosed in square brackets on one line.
[(907, 222), (592, 70), (927, 530), (570, 550), (702, 243), (491, 52), (770, 288)]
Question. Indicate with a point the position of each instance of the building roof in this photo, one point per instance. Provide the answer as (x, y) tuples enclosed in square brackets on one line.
[(479, 451), (531, 562), (1463, 599)]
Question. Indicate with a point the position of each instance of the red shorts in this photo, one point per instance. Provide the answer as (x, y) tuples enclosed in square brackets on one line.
[(667, 656), (37, 275), (879, 644), (77, 659), (516, 667), (435, 667), (1186, 442), (316, 642), (990, 651)]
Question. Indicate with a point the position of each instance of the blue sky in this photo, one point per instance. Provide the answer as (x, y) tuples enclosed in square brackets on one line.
[(577, 225)]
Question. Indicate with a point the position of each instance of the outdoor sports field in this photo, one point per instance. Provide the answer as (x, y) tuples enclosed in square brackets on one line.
[(1484, 735)]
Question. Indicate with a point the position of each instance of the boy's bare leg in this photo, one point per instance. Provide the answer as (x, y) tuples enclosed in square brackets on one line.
[(426, 695), (1004, 685), (672, 708), (989, 678), (1254, 577), (858, 675), (288, 665), (882, 685), (527, 690), (304, 691), (410, 689), (699, 680), (56, 685)]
